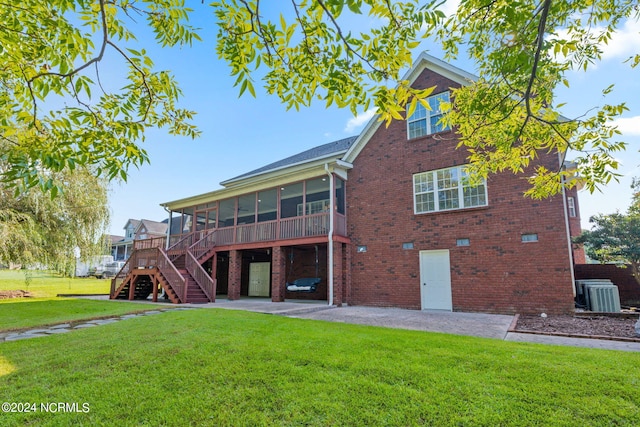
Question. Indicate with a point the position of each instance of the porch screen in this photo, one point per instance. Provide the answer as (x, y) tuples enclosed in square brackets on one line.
[(267, 205), (290, 198)]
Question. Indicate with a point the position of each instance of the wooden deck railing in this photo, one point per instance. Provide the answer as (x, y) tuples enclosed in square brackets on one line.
[(122, 274), (202, 278), (141, 258), (177, 282), (285, 228), (204, 244), (156, 242)]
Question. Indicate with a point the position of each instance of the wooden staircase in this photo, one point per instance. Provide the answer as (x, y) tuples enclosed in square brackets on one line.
[(143, 287), (175, 270), (195, 294)]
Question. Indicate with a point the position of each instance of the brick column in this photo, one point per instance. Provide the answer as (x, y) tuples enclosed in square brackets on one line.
[(278, 274), (338, 272), (347, 273), (235, 274)]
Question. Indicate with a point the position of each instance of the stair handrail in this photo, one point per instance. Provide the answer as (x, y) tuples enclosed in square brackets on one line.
[(122, 274), (204, 244), (202, 278), (175, 280), (180, 247)]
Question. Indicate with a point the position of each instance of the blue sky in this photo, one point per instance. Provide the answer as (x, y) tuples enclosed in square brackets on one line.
[(241, 134)]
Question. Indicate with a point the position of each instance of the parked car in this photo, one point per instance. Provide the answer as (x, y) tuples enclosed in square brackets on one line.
[(107, 270)]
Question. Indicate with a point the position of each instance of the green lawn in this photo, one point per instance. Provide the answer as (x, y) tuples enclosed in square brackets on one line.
[(217, 367), (46, 309), (27, 313), (48, 284)]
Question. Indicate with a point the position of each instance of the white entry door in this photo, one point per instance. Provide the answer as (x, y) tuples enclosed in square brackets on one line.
[(259, 275), (435, 280)]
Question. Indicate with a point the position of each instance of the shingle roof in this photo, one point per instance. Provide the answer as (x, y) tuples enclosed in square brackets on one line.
[(320, 151), (154, 227)]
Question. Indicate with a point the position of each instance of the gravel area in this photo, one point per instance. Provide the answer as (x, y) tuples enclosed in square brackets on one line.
[(593, 325), (14, 294)]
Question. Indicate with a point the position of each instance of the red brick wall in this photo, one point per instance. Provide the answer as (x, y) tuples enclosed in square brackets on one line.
[(304, 265), (576, 229), (278, 273), (496, 273), (621, 277)]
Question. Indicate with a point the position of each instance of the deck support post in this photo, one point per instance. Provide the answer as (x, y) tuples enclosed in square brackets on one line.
[(235, 274), (338, 272), (278, 268)]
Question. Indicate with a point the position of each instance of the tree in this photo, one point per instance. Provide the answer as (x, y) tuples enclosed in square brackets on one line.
[(522, 49), (38, 229), (58, 107), (615, 238), (304, 51)]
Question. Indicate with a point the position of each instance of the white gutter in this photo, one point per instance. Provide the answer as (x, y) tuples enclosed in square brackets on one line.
[(568, 230), (330, 249), (166, 244)]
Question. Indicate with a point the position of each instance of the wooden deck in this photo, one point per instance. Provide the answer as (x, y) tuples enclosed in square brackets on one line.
[(178, 269)]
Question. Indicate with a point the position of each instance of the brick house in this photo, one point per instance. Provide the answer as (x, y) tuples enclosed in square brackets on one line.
[(383, 219)]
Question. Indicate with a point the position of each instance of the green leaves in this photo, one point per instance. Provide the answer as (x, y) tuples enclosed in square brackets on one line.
[(615, 238), (523, 51), (57, 114), (43, 227), (307, 54)]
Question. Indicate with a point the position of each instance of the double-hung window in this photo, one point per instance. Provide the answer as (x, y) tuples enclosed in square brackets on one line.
[(425, 122), (446, 189)]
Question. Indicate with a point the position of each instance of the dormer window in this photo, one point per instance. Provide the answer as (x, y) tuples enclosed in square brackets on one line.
[(425, 122)]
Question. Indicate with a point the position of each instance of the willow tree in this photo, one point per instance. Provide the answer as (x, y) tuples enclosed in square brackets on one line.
[(37, 229), (304, 51)]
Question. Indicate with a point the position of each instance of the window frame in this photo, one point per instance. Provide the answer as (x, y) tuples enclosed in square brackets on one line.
[(571, 207), (432, 181), (428, 114)]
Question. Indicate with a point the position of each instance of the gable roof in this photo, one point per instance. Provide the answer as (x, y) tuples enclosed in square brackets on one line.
[(330, 149), (134, 223), (309, 162), (152, 227), (423, 62)]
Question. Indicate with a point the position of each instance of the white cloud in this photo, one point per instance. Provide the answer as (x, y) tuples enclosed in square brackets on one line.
[(629, 126), (450, 7), (624, 42), (355, 122)]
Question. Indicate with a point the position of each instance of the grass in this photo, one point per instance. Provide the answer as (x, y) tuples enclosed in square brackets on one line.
[(24, 313), (46, 309), (229, 368), (44, 284)]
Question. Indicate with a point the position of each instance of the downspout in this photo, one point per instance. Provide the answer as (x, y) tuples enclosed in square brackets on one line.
[(166, 244), (568, 230), (330, 249)]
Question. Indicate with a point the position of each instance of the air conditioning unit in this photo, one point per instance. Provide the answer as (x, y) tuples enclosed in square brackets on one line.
[(581, 283), (602, 298)]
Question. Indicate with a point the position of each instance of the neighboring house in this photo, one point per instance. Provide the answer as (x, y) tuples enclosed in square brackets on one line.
[(384, 219), (121, 247)]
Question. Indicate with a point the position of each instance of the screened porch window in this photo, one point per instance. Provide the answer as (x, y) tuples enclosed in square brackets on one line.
[(290, 198), (247, 209), (267, 205), (226, 213)]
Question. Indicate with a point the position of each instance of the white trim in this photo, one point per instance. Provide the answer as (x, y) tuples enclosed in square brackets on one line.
[(428, 116), (423, 62), (460, 189)]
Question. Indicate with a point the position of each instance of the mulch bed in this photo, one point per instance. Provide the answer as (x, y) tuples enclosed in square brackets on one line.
[(14, 294), (591, 325)]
